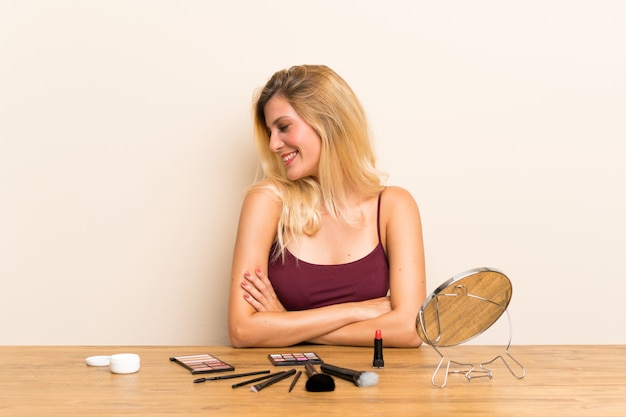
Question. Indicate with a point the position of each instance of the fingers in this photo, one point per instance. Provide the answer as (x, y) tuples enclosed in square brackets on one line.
[(259, 292), (263, 284), (259, 280), (252, 293), (253, 302), (255, 286)]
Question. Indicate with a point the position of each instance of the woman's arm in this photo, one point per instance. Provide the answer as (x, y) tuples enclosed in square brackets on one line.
[(249, 327), (401, 232)]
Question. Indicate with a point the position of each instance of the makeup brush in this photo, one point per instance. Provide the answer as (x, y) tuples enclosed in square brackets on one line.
[(279, 377), (295, 381), (318, 382), (360, 379)]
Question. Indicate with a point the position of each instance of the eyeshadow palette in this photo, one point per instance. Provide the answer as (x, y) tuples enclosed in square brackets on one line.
[(202, 364), (294, 359)]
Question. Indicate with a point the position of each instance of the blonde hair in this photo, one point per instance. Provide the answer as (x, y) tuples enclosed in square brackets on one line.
[(347, 163)]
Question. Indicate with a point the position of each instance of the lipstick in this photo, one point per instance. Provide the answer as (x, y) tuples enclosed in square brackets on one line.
[(378, 350)]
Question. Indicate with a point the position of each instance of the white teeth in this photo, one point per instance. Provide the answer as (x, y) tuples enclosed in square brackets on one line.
[(290, 156)]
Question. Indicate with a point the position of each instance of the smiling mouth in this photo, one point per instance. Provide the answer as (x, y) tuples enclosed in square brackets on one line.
[(289, 156)]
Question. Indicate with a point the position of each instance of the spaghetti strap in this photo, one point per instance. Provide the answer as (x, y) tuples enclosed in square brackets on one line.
[(378, 217)]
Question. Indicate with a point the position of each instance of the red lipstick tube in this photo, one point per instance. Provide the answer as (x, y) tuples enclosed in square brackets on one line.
[(378, 350)]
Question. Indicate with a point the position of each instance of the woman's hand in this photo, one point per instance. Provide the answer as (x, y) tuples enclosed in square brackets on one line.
[(259, 293), (374, 308)]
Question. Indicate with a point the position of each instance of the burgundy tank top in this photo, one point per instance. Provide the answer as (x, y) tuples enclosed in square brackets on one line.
[(301, 285)]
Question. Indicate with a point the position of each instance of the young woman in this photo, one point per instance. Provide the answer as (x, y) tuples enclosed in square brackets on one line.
[(324, 252)]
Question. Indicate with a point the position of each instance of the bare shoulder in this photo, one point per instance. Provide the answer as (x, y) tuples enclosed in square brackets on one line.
[(401, 225), (263, 194), (399, 215), (397, 198), (258, 219), (260, 209)]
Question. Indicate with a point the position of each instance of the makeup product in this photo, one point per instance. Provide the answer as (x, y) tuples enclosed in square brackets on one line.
[(294, 359), (98, 360), (318, 382), (295, 380), (202, 364), (282, 375), (121, 363), (125, 363), (215, 378), (250, 381), (378, 350), (360, 379)]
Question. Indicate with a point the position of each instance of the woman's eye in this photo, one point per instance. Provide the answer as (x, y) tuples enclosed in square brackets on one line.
[(283, 128)]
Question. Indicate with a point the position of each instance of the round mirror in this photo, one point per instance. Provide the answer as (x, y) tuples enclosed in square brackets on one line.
[(464, 307)]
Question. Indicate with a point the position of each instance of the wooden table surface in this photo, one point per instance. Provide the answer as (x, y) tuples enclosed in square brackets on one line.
[(560, 381)]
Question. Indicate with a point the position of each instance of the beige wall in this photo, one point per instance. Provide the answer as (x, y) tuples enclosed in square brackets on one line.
[(125, 145)]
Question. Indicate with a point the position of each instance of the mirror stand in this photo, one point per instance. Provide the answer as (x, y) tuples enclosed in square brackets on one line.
[(461, 309), (470, 370)]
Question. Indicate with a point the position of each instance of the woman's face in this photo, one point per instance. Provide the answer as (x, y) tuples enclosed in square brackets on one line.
[(292, 139)]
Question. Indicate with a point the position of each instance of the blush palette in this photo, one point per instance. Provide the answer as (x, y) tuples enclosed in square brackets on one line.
[(294, 359), (202, 364)]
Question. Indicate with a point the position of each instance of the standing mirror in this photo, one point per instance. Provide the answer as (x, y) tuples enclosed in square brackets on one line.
[(459, 310)]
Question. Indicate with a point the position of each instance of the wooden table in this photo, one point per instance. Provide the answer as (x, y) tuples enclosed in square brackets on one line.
[(560, 381)]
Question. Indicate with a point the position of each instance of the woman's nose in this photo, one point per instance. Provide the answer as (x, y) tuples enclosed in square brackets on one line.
[(275, 143)]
